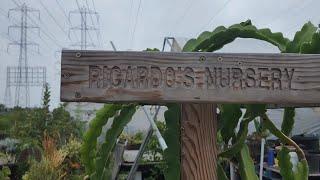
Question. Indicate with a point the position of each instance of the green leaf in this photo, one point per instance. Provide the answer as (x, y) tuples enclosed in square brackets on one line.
[(312, 47), (246, 165), (252, 112), (286, 167), (88, 149), (221, 174), (301, 37), (103, 158), (255, 110), (221, 36), (172, 137), (230, 115), (285, 164), (288, 120), (302, 172)]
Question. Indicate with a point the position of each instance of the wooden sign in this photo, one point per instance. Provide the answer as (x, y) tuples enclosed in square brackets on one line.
[(157, 77)]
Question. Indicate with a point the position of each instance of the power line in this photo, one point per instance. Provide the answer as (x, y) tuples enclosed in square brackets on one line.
[(287, 11), (94, 7), (83, 27), (135, 24), (54, 19), (66, 16), (130, 22), (34, 23), (214, 16), (46, 33), (180, 19), (93, 24)]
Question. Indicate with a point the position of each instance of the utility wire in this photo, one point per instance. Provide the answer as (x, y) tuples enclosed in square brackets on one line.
[(46, 33), (17, 22), (93, 24), (135, 24), (94, 8), (53, 18), (130, 22), (214, 16), (66, 16), (185, 12), (287, 11)]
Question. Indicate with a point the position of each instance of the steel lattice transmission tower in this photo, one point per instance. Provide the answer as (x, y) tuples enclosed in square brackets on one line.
[(22, 76), (84, 28)]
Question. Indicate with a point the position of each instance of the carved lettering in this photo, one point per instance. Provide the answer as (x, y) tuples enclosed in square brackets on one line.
[(142, 75), (264, 76), (188, 77), (211, 78), (156, 77), (224, 77), (276, 78), (170, 77), (129, 81), (236, 78), (116, 78), (250, 79), (94, 76)]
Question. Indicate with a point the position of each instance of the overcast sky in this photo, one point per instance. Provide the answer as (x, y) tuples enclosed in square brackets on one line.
[(139, 24)]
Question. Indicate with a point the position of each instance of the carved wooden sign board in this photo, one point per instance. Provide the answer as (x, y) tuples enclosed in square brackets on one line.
[(158, 77)]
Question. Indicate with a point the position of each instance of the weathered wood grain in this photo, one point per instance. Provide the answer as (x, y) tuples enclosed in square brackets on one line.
[(198, 142), (158, 77)]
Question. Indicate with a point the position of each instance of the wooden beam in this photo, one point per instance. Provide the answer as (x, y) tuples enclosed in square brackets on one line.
[(198, 142), (159, 77)]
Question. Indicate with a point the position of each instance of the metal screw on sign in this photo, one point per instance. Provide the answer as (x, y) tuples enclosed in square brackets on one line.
[(220, 59), (66, 75), (77, 95), (202, 58), (78, 54)]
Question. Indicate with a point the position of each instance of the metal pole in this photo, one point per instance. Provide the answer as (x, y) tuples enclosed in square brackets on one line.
[(161, 141), (140, 153)]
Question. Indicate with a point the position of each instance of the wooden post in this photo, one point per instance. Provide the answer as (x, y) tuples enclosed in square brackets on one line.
[(198, 142)]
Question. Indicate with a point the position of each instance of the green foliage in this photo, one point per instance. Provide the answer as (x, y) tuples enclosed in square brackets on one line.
[(172, 138), (221, 174), (153, 148), (46, 97), (88, 149), (5, 124), (246, 165), (313, 46), (285, 164), (72, 166), (5, 173), (288, 120), (44, 168), (252, 112), (286, 167), (230, 115), (152, 49), (302, 172), (211, 41), (305, 41), (103, 156), (301, 37)]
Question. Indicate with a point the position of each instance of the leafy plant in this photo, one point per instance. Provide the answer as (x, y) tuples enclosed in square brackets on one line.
[(50, 164), (5, 173), (97, 158), (305, 41)]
